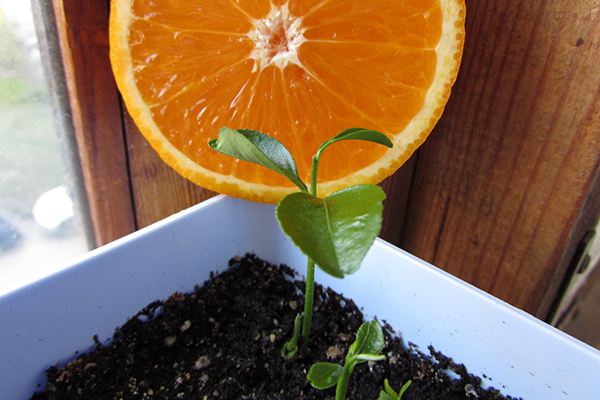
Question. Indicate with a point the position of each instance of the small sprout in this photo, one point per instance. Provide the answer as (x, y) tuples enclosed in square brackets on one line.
[(291, 347), (390, 394), (335, 232), (367, 347)]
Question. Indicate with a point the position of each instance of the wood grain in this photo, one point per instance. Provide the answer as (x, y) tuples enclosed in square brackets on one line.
[(397, 188), (158, 190), (83, 32), (501, 183)]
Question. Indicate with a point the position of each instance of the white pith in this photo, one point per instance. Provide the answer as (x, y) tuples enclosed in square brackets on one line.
[(265, 53)]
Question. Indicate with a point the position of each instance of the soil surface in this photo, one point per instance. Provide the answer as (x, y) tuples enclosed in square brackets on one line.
[(222, 342)]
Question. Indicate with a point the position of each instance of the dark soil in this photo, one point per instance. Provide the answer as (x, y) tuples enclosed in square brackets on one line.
[(223, 340)]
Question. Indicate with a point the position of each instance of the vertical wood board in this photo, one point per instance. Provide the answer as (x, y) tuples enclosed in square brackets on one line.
[(83, 32), (158, 190), (501, 181)]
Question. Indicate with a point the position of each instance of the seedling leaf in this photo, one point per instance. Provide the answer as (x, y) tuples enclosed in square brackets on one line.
[(403, 389), (368, 135), (259, 148), (369, 338), (369, 342), (390, 394), (385, 396), (363, 134), (337, 231), (325, 375)]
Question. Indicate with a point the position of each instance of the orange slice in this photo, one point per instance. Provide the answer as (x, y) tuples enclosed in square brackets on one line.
[(299, 70)]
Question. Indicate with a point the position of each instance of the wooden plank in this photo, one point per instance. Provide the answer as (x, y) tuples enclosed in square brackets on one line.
[(397, 188), (158, 190), (83, 33), (501, 183)]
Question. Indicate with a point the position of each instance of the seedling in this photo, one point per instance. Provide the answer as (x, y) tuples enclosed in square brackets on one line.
[(390, 394), (369, 343), (336, 231)]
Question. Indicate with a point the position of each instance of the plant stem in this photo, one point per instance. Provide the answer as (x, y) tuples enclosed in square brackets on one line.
[(313, 174), (342, 385), (308, 301), (310, 268)]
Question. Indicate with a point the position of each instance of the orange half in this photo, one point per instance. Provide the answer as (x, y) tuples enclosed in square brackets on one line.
[(301, 71)]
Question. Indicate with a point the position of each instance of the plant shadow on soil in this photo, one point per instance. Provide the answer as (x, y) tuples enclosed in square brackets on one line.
[(223, 341)]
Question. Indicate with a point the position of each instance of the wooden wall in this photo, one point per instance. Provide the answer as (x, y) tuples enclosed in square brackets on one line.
[(500, 191), (499, 195)]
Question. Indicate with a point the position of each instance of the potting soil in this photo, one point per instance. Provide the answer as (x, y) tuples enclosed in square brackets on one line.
[(223, 342)]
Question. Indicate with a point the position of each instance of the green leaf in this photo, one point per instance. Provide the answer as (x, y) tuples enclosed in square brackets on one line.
[(389, 389), (390, 394), (403, 389), (324, 375), (335, 232), (368, 135), (363, 134), (369, 340), (258, 148), (384, 396)]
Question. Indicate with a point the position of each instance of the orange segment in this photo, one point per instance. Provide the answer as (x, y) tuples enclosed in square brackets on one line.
[(301, 71)]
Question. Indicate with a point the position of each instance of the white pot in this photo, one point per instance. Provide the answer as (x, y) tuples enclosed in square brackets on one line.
[(54, 317)]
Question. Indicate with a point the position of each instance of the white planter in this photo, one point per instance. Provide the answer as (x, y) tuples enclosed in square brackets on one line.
[(52, 318)]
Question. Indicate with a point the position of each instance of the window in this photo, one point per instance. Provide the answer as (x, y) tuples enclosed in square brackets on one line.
[(40, 224)]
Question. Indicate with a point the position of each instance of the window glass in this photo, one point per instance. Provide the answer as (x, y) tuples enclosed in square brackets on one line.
[(39, 228)]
